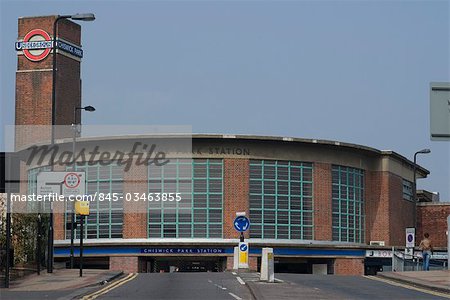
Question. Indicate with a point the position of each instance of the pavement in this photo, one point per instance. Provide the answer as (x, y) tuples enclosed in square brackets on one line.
[(433, 280), (62, 283)]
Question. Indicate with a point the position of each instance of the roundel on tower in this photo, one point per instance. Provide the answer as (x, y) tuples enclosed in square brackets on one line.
[(36, 45)]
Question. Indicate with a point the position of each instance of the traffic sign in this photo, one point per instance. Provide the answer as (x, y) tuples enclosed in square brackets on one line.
[(241, 223), (82, 208), (440, 111), (243, 255), (68, 184), (410, 237)]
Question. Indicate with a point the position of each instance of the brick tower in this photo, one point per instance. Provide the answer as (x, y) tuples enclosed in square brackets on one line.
[(34, 78)]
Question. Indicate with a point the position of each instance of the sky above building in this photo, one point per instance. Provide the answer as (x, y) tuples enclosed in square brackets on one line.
[(351, 71)]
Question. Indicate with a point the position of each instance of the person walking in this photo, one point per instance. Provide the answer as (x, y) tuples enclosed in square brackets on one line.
[(427, 248)]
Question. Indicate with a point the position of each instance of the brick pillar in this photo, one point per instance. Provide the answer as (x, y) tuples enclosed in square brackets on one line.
[(230, 262), (387, 213), (127, 264), (401, 211), (377, 207), (236, 190), (58, 213), (253, 263), (135, 212), (58, 221), (349, 266), (34, 83), (322, 202)]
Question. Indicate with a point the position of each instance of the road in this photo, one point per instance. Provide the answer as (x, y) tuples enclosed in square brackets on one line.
[(219, 286), (181, 286)]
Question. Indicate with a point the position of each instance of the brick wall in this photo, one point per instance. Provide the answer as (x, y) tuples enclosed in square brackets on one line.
[(349, 266), (236, 190), (432, 218), (401, 211), (387, 213), (322, 202), (127, 264), (135, 212)]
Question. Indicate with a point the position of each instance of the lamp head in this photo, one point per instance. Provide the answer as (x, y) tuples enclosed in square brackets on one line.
[(83, 17), (89, 108), (424, 151)]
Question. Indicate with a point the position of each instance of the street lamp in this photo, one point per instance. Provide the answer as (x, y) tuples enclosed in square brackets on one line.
[(423, 151), (78, 17), (75, 132)]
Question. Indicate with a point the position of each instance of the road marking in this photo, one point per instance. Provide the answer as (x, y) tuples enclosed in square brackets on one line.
[(109, 288), (234, 273), (391, 282), (240, 280), (235, 297), (209, 281), (220, 287)]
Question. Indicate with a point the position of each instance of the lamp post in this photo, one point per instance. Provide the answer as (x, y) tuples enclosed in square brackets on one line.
[(78, 17), (75, 132), (423, 151)]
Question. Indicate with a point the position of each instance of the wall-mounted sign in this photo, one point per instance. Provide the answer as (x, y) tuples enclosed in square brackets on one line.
[(69, 48), (37, 45), (182, 250)]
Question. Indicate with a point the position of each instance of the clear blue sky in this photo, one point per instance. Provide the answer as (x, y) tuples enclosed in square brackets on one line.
[(353, 71)]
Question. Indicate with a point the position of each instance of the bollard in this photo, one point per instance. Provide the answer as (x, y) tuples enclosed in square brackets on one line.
[(236, 258), (267, 265)]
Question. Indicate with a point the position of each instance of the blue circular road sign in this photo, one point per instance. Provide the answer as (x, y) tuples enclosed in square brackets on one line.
[(243, 247), (241, 223)]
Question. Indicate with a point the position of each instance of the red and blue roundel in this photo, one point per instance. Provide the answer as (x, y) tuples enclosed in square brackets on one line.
[(36, 45)]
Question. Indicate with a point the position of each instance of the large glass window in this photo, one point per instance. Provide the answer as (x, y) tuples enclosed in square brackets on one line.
[(198, 214), (281, 199), (105, 218), (348, 204)]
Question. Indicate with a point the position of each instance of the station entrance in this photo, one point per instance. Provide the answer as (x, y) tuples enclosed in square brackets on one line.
[(182, 264), (302, 265)]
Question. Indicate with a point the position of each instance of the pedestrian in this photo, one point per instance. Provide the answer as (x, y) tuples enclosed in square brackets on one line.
[(427, 248)]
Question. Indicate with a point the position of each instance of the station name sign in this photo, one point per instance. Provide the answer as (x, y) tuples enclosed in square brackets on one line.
[(183, 250), (37, 44)]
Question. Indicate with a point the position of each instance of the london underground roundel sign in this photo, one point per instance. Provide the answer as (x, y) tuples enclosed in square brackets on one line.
[(36, 45)]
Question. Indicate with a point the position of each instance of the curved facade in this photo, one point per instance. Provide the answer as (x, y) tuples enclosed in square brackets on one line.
[(320, 202)]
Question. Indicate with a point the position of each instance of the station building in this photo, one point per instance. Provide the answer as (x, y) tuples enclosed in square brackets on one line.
[(321, 205)]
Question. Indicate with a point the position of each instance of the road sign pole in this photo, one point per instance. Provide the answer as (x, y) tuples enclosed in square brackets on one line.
[(241, 238), (8, 238), (72, 232), (38, 246), (81, 245)]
